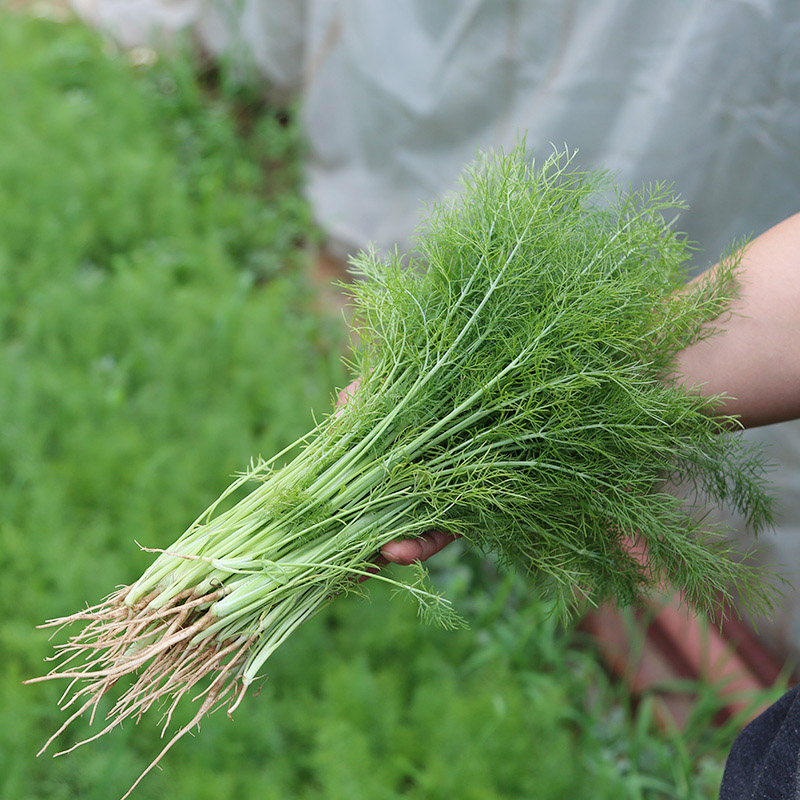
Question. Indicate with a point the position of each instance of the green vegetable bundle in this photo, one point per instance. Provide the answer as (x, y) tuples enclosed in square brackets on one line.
[(517, 389)]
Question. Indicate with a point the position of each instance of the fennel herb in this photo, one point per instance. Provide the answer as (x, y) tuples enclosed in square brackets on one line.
[(517, 389)]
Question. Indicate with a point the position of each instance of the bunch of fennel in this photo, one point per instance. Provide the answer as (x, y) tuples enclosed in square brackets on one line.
[(517, 389)]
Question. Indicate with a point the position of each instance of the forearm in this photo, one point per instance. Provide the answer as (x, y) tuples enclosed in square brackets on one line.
[(755, 358)]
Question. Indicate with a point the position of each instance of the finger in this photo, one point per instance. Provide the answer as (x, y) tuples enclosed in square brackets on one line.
[(378, 562), (347, 393), (407, 551)]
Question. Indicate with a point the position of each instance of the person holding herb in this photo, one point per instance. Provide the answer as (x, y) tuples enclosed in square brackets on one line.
[(518, 390)]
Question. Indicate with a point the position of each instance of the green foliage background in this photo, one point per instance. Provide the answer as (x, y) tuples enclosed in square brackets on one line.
[(157, 329)]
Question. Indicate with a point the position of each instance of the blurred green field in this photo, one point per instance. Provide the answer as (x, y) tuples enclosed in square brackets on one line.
[(157, 330)]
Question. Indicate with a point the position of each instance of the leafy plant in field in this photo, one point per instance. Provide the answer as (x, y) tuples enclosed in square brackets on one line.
[(517, 390), (154, 312)]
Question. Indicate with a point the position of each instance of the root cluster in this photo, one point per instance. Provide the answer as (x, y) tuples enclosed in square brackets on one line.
[(153, 648)]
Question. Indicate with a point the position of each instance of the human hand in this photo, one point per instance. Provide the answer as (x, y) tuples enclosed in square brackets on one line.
[(402, 551), (408, 551)]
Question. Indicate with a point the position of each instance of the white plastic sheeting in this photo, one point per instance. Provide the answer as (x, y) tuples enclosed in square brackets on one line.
[(396, 97)]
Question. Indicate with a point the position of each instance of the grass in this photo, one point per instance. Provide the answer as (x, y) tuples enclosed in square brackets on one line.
[(157, 330)]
